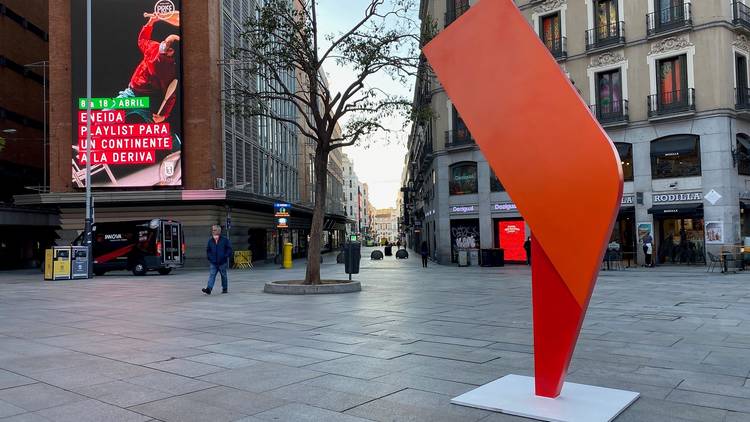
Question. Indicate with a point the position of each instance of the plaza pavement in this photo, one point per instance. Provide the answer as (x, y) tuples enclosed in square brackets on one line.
[(124, 348)]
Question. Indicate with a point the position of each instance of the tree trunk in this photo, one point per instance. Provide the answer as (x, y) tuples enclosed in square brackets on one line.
[(316, 230)]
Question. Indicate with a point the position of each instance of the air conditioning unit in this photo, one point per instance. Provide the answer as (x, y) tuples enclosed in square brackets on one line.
[(220, 183)]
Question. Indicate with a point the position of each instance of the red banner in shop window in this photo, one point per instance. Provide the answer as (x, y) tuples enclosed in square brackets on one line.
[(512, 236)]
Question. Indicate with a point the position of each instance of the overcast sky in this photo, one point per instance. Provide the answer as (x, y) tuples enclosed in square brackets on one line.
[(380, 163)]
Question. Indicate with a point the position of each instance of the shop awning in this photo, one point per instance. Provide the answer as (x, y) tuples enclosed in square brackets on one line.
[(676, 209)]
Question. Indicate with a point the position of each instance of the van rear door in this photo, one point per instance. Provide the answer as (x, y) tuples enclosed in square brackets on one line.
[(171, 240)]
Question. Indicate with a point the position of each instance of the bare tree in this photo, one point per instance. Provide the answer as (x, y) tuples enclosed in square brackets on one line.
[(283, 55)]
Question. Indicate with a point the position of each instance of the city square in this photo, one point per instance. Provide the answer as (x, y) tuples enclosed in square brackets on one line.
[(134, 349)]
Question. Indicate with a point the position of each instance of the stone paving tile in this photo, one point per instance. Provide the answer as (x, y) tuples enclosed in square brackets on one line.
[(25, 417), (185, 367), (736, 404), (90, 411), (261, 377), (9, 379), (38, 396), (337, 401), (182, 409), (7, 410), (222, 361), (303, 413), (122, 394), (371, 389), (169, 383), (237, 400), (433, 385)]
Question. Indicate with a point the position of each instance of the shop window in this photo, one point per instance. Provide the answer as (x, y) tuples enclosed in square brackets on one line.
[(495, 185), (743, 154), (675, 156), (625, 151), (463, 178)]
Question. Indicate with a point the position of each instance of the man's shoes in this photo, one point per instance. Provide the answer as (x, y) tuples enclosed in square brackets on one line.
[(206, 290), (225, 291)]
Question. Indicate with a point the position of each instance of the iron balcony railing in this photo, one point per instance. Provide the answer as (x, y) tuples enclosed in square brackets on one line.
[(455, 10), (669, 19), (742, 96), (457, 138), (611, 112), (741, 14), (605, 36), (558, 47), (674, 102)]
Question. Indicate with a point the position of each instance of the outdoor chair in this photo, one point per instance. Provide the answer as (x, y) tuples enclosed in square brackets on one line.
[(715, 261)]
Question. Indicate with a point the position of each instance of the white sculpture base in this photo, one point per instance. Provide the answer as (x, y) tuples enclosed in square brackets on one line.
[(514, 395)]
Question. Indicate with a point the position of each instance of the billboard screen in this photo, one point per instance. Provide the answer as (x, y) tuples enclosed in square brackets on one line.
[(136, 121), (512, 235)]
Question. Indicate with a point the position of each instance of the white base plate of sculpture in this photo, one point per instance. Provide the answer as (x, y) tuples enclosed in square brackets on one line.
[(514, 395)]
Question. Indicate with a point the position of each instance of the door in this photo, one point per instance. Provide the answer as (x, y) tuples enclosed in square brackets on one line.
[(672, 86), (607, 20), (171, 240), (551, 32), (609, 95), (741, 71)]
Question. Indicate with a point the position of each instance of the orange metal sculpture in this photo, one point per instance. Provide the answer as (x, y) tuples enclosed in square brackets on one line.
[(548, 150)]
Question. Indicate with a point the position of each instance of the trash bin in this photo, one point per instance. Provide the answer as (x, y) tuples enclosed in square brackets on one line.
[(57, 263), (473, 256), (389, 250), (79, 267), (463, 258), (352, 256)]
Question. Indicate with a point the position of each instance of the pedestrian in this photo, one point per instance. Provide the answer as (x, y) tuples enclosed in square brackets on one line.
[(398, 244), (218, 252), (425, 251), (527, 247), (648, 248)]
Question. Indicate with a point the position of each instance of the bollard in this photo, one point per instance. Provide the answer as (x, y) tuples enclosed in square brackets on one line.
[(287, 256)]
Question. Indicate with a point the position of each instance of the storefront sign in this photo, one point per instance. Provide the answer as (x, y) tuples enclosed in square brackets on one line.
[(282, 223), (464, 209), (627, 200), (715, 232), (136, 118), (281, 210), (504, 207), (660, 198)]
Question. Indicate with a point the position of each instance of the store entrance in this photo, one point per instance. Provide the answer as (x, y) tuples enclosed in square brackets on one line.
[(681, 240), (623, 235)]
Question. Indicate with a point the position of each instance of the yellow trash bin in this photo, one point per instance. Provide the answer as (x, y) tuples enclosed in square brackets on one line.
[(287, 257)]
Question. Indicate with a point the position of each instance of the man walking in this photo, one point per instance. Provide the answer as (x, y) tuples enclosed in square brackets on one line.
[(218, 252), (424, 250)]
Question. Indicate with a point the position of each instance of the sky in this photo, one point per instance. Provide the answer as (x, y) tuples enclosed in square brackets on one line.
[(379, 163)]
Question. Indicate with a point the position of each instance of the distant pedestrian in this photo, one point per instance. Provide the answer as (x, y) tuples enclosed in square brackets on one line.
[(425, 251), (648, 248), (218, 252), (398, 244), (527, 247)]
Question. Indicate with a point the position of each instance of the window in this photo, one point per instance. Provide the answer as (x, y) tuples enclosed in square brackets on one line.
[(495, 185), (461, 133), (625, 152), (672, 82), (741, 80), (463, 179), (550, 31), (609, 94), (670, 11), (607, 20), (676, 156), (743, 154)]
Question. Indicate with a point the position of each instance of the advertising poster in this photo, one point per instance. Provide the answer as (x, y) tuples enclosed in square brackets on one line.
[(512, 236), (715, 232), (136, 121), (644, 229)]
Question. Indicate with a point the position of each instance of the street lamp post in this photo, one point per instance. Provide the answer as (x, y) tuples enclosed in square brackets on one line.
[(89, 211)]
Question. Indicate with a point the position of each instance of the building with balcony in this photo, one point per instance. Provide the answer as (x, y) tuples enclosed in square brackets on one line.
[(667, 79)]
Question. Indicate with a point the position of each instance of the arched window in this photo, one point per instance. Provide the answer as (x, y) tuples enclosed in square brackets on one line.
[(625, 151), (743, 154), (463, 178), (676, 156), (495, 185)]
